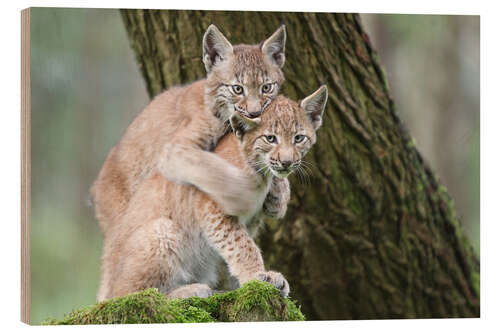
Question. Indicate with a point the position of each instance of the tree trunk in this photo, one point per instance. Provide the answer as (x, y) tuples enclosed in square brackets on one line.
[(372, 233)]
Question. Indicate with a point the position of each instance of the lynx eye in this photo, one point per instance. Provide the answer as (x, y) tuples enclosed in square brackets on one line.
[(271, 138), (267, 88), (299, 138), (237, 89)]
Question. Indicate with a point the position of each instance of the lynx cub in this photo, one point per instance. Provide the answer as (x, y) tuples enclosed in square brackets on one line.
[(173, 136), (173, 236)]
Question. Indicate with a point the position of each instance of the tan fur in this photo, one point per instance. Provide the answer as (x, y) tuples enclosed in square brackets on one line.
[(176, 131), (173, 236)]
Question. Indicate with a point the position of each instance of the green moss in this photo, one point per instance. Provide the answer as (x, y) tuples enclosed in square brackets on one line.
[(254, 301)]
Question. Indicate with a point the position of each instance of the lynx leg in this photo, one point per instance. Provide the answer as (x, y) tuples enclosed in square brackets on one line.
[(277, 199), (104, 283), (240, 252), (143, 258), (233, 189), (189, 290)]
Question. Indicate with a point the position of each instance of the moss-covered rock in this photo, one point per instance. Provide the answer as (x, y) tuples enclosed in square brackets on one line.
[(254, 301)]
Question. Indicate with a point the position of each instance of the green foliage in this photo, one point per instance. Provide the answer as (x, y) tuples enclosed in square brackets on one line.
[(254, 301), (85, 89)]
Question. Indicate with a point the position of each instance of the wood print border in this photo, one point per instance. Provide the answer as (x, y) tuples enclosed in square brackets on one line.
[(25, 166)]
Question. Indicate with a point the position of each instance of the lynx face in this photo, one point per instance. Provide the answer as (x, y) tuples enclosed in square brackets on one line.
[(277, 141), (243, 78)]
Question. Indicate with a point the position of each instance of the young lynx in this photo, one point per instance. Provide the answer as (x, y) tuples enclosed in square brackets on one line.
[(177, 130), (173, 236)]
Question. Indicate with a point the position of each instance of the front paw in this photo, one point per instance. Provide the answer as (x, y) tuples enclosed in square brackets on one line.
[(274, 208), (277, 199), (276, 279)]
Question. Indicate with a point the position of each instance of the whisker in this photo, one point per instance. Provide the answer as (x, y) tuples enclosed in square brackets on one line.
[(307, 168), (305, 175), (268, 170), (307, 165), (259, 165), (302, 176), (262, 168), (260, 161), (299, 175)]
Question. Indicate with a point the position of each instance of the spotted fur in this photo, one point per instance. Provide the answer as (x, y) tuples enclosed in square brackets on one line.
[(174, 134), (174, 237)]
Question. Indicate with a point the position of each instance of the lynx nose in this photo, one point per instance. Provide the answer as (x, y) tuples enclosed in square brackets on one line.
[(286, 164), (254, 114), (254, 108)]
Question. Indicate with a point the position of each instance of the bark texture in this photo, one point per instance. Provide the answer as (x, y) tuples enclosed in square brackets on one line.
[(371, 233)]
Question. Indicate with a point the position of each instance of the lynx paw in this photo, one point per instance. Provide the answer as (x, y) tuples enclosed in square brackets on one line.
[(277, 280), (277, 199), (190, 290)]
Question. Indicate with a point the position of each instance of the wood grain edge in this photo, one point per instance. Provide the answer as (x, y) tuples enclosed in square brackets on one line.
[(25, 166)]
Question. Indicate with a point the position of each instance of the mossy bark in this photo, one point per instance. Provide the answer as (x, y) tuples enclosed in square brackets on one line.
[(254, 301), (372, 233)]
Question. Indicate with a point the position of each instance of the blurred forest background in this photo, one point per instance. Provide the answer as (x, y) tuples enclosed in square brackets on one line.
[(86, 90)]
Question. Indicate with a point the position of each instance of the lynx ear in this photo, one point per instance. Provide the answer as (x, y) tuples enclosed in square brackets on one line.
[(314, 105), (241, 124), (215, 47), (274, 46)]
